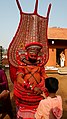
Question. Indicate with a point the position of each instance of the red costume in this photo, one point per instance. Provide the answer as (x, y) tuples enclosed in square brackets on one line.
[(27, 54)]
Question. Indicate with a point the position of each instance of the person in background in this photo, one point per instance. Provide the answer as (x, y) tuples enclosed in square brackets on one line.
[(5, 102), (51, 106), (62, 59)]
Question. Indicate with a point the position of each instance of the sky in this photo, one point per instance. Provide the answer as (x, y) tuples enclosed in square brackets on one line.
[(10, 16)]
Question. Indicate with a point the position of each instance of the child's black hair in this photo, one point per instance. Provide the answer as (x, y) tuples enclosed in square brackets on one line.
[(51, 84)]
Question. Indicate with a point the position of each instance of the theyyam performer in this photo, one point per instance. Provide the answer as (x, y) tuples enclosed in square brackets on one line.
[(27, 55)]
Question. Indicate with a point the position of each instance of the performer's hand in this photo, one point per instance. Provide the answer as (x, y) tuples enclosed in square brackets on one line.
[(37, 91)]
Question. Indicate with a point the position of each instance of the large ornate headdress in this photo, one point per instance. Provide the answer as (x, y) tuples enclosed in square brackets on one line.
[(32, 28)]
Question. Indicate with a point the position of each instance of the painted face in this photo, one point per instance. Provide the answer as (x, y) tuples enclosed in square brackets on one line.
[(32, 54), (33, 50)]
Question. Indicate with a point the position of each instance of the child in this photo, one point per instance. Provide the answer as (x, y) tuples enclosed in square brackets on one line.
[(51, 106)]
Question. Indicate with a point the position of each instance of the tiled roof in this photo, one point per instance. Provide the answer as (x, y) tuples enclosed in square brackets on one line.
[(57, 33)]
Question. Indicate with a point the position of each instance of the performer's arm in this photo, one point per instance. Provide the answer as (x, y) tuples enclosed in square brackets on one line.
[(40, 88)]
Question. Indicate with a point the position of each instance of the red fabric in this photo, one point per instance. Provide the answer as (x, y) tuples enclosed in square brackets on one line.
[(24, 95), (26, 98)]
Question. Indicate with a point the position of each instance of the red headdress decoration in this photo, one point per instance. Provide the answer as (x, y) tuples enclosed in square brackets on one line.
[(32, 29)]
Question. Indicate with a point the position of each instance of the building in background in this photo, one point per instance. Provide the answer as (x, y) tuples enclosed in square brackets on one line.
[(57, 41)]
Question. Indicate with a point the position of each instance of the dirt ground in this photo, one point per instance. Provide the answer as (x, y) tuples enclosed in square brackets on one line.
[(62, 91)]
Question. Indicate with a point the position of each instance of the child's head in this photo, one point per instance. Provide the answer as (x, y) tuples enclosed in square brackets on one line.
[(51, 84)]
